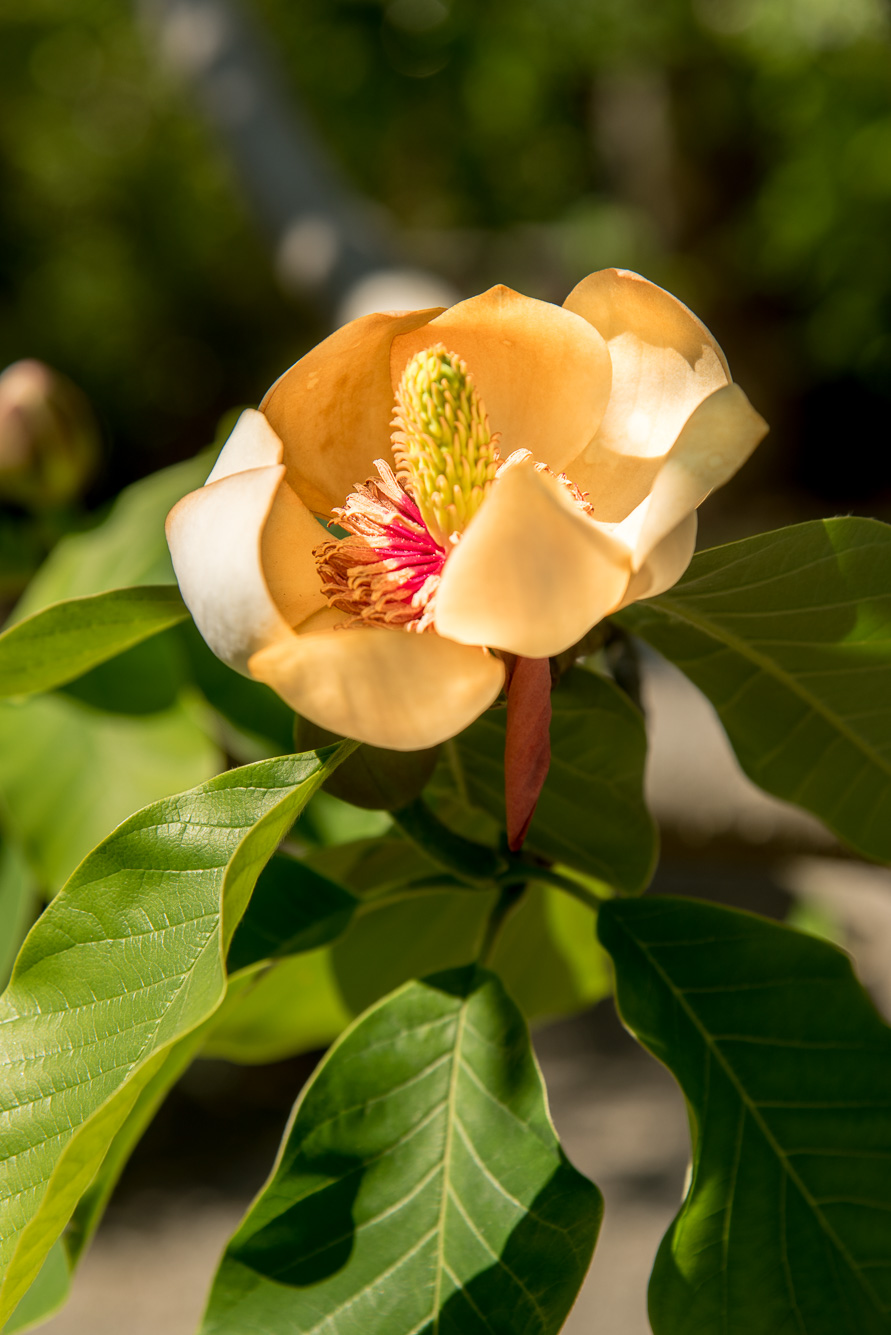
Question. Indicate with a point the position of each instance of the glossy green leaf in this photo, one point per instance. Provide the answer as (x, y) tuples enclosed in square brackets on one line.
[(66, 639), (70, 773), (421, 1187), (786, 1068), (789, 636), (123, 963), (591, 813)]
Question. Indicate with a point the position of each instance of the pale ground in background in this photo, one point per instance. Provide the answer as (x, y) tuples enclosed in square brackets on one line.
[(618, 1113)]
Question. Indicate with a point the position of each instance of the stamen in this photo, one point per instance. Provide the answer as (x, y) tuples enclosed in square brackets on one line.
[(386, 571), (446, 455)]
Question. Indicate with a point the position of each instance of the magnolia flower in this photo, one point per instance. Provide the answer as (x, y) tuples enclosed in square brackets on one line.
[(496, 477)]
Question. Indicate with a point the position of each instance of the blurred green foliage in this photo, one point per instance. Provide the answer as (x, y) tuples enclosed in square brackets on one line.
[(738, 151)]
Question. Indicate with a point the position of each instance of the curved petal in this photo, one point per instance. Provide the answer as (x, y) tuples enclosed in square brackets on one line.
[(717, 439), (665, 564), (286, 545), (252, 443), (390, 688), (531, 574), (543, 373), (664, 362), (214, 535), (332, 409)]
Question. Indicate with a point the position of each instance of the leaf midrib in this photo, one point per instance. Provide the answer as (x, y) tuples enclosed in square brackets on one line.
[(753, 1109), (451, 1118), (773, 669)]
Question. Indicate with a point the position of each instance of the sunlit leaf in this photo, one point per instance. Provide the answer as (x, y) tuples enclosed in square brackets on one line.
[(789, 636), (123, 963), (421, 1187), (66, 639), (786, 1068)]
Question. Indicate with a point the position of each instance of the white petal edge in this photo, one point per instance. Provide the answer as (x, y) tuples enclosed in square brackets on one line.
[(532, 573), (716, 440), (665, 564), (252, 443), (215, 540), (389, 688)]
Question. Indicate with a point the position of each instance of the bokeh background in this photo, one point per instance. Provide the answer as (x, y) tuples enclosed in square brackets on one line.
[(194, 192), (736, 151)]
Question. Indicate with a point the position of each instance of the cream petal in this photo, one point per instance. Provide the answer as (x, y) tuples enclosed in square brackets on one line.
[(252, 443), (531, 574), (389, 688), (214, 535), (664, 363), (717, 439), (543, 373), (665, 564), (332, 409), (286, 555)]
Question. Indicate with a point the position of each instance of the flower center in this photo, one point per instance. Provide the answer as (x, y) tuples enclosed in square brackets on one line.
[(401, 527), (446, 455), (385, 572)]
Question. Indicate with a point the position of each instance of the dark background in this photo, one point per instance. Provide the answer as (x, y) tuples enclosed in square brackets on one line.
[(736, 151)]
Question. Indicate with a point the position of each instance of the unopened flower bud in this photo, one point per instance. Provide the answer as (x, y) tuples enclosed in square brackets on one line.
[(49, 440)]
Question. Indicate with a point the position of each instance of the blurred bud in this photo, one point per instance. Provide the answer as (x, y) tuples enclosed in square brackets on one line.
[(371, 777), (49, 440)]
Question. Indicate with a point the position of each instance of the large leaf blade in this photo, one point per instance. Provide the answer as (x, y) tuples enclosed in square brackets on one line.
[(421, 1187), (787, 1070), (66, 639), (123, 963), (789, 636)]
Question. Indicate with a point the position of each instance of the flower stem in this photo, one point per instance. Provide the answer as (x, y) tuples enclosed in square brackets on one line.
[(471, 861), (508, 899)]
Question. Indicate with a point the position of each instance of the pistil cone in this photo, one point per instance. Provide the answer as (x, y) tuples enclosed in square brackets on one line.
[(527, 747)]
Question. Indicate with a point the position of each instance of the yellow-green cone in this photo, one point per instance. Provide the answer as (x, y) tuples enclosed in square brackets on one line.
[(446, 455)]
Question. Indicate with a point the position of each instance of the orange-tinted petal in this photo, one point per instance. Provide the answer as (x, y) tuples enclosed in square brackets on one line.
[(531, 574), (664, 363), (543, 373), (390, 688), (332, 409)]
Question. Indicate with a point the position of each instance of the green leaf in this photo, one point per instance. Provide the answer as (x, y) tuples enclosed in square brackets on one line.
[(294, 1006), (46, 1295), (128, 547), (122, 964), (421, 1187), (69, 774), (786, 1068), (293, 909), (65, 640), (591, 813), (18, 904), (789, 636), (548, 957)]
